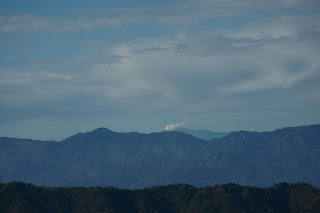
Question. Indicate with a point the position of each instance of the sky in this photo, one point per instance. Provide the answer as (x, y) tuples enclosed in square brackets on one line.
[(74, 66)]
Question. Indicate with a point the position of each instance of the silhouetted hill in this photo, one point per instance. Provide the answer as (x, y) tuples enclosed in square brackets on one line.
[(202, 133), (283, 197), (134, 160)]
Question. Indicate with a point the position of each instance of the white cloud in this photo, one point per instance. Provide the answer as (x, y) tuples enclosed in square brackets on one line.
[(276, 28), (28, 22), (242, 69), (209, 63), (25, 22), (185, 72), (13, 79), (176, 125), (179, 12)]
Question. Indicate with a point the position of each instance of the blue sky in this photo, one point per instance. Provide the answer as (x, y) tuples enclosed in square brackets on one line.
[(68, 67)]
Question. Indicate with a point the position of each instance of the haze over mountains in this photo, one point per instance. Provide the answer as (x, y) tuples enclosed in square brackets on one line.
[(134, 160), (201, 133)]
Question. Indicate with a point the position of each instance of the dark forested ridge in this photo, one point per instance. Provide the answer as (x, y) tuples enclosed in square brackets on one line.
[(283, 197), (134, 160)]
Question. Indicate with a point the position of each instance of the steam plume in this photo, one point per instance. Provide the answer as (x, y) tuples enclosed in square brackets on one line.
[(176, 125)]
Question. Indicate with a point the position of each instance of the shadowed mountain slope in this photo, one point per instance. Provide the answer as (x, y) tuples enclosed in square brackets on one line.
[(202, 133), (133, 160)]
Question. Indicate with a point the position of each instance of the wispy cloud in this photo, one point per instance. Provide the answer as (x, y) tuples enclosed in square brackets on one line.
[(25, 22), (186, 71), (259, 56), (266, 62), (176, 125), (277, 28), (181, 12)]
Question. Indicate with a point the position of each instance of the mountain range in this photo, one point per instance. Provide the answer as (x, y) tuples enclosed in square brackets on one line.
[(201, 133), (134, 160)]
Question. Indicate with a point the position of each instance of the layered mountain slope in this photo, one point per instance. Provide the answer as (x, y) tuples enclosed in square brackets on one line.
[(133, 160), (257, 159), (202, 133)]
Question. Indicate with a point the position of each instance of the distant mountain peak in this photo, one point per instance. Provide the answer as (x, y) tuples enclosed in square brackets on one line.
[(101, 129), (201, 133), (99, 133), (135, 160)]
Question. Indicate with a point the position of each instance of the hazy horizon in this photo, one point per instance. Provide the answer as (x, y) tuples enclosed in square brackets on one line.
[(70, 67), (60, 138)]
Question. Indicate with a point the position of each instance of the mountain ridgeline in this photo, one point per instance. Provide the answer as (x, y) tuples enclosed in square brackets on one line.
[(201, 133), (133, 160)]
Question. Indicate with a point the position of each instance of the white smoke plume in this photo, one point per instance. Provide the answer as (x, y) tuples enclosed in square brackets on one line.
[(176, 125)]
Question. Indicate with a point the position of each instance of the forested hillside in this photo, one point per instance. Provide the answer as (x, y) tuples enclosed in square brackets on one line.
[(283, 197)]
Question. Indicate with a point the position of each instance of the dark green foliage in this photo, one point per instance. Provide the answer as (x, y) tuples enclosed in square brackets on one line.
[(283, 197)]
